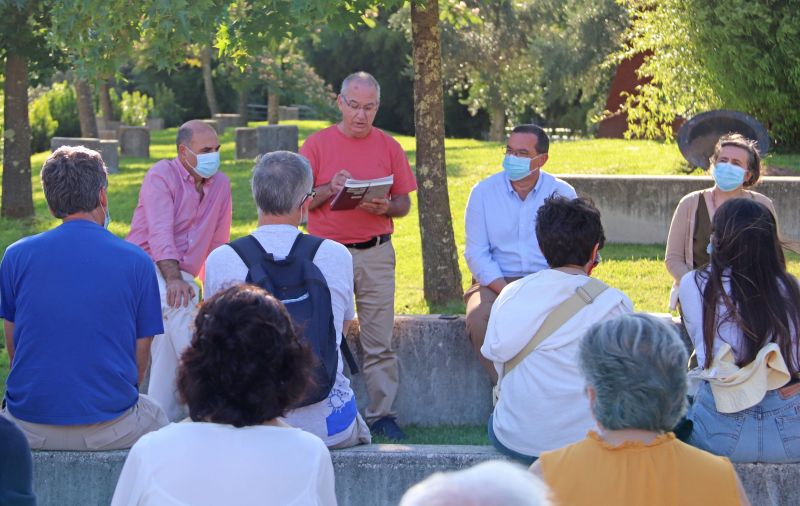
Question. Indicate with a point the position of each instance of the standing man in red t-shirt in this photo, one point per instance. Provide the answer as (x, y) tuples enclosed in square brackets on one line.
[(354, 149)]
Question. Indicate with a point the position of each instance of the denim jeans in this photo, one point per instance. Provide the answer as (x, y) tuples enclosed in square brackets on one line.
[(767, 432), (527, 460)]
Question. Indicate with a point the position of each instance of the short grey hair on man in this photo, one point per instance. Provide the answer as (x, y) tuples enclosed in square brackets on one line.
[(280, 181), (72, 178), (636, 365), (494, 483), (184, 136), (360, 76)]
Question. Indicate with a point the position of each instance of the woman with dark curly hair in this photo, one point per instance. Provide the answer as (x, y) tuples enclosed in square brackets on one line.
[(244, 369)]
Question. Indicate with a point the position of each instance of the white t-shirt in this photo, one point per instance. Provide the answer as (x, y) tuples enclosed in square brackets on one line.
[(691, 298), (212, 464), (329, 419), (542, 403)]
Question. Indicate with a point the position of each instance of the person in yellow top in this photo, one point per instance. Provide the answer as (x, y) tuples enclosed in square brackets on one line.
[(634, 367), (735, 167)]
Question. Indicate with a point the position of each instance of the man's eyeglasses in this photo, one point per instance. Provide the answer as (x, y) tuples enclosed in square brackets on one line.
[(308, 195), (355, 106)]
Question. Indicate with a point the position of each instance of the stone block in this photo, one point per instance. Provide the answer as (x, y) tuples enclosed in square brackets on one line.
[(216, 125), (155, 123), (371, 475), (109, 150), (246, 143), (288, 113), (89, 142), (134, 142), (109, 135), (230, 120), (441, 380), (277, 137)]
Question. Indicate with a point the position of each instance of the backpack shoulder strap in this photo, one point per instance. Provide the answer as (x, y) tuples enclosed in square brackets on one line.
[(249, 250), (306, 246), (583, 296)]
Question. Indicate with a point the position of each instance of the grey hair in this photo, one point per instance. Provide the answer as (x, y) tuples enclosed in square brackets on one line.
[(494, 483), (280, 181), (361, 76), (72, 178), (636, 365), (184, 136)]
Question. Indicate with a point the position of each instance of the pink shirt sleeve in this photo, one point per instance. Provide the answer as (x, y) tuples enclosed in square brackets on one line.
[(222, 234), (308, 150), (158, 206)]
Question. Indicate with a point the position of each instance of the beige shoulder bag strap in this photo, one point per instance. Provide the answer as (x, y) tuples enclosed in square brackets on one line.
[(583, 296)]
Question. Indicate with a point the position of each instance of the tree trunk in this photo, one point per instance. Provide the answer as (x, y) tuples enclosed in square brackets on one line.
[(105, 101), (86, 109), (497, 123), (442, 277), (241, 108), (273, 107), (208, 83), (17, 191)]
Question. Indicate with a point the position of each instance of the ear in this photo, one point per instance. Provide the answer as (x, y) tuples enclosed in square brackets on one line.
[(543, 159), (104, 197)]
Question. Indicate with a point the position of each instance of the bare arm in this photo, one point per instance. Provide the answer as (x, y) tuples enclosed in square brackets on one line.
[(8, 327), (179, 292), (346, 326), (143, 356), (325, 192)]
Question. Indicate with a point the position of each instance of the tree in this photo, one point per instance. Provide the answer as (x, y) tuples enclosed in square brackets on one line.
[(701, 55), (208, 82), (442, 277), (23, 28)]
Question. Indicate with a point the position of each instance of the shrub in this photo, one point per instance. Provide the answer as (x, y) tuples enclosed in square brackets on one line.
[(63, 105), (166, 106), (43, 126), (135, 108)]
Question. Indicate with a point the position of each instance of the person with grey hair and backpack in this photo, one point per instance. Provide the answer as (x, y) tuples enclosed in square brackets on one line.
[(634, 368), (313, 278)]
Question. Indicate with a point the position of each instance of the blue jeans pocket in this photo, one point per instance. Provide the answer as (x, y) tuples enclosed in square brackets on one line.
[(713, 431), (789, 430)]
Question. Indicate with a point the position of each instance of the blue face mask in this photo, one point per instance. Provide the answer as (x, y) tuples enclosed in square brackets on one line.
[(728, 176), (207, 163), (517, 167)]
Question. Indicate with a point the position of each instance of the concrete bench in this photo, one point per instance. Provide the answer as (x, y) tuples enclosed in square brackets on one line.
[(638, 209), (373, 475)]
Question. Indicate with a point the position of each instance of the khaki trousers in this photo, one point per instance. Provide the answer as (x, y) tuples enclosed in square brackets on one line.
[(122, 432), (166, 350), (479, 300), (373, 273)]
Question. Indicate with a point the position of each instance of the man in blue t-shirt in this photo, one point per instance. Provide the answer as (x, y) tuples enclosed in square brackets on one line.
[(80, 307)]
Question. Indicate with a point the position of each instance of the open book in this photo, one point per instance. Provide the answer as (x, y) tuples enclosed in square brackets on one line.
[(356, 190)]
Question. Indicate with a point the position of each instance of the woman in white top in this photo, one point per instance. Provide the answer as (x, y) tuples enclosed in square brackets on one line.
[(244, 369), (746, 299)]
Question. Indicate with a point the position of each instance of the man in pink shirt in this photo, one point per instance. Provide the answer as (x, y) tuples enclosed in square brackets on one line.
[(354, 149), (184, 213)]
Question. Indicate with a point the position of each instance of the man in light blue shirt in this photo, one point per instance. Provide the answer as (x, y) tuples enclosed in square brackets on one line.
[(500, 223)]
